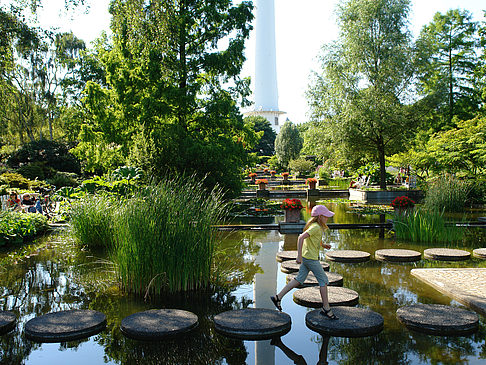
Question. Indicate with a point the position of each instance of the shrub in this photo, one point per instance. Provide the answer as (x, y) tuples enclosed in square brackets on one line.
[(36, 170), (54, 154), (324, 175), (16, 227), (301, 166), (447, 193), (62, 179), (15, 180)]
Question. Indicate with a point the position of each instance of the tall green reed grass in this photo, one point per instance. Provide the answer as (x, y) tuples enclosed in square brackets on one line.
[(447, 192), (427, 226), (92, 220), (164, 237)]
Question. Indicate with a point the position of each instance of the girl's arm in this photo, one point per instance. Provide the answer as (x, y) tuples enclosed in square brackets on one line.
[(300, 241)]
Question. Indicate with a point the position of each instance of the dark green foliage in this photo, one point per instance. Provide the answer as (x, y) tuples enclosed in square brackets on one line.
[(15, 180), (166, 104), (302, 167), (53, 154), (61, 179), (288, 143), (266, 144)]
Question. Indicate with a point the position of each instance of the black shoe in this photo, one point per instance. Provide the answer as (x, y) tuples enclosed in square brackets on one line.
[(276, 302), (328, 313)]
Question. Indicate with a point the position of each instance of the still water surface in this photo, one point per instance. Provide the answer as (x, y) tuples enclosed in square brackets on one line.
[(55, 274)]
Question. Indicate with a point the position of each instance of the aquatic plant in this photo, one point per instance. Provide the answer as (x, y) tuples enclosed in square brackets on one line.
[(447, 192), (165, 239), (427, 226), (92, 222)]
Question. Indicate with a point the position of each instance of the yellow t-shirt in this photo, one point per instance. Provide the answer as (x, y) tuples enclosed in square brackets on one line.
[(312, 244)]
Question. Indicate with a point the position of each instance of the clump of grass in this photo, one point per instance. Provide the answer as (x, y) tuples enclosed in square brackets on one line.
[(427, 226), (165, 241), (91, 221), (447, 193)]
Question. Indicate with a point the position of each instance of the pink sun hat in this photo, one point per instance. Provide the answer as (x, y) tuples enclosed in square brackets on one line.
[(321, 210)]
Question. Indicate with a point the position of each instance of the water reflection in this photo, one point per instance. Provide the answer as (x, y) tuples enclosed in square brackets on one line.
[(63, 276)]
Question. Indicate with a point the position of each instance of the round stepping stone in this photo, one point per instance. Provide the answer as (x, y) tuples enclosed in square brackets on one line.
[(480, 253), (65, 326), (334, 279), (348, 256), (158, 323), (351, 322), (446, 254), (397, 255), (291, 266), (7, 321), (311, 297), (438, 319), (286, 255), (253, 323)]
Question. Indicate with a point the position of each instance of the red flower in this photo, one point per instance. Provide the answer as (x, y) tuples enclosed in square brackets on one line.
[(310, 180), (285, 174), (253, 175), (402, 202), (262, 181), (291, 204)]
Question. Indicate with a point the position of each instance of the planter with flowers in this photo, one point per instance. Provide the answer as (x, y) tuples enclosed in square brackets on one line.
[(262, 184), (292, 209), (272, 174), (265, 171), (253, 176), (312, 191), (285, 176), (403, 204)]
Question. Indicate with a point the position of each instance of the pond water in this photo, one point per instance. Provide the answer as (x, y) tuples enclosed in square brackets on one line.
[(54, 274)]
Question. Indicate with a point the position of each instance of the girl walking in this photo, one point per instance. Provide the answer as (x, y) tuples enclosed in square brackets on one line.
[(308, 245)]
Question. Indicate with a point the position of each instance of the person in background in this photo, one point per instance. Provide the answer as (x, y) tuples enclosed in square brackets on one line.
[(13, 202), (30, 204)]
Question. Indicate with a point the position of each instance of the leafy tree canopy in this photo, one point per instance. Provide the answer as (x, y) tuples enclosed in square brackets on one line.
[(288, 143), (266, 144)]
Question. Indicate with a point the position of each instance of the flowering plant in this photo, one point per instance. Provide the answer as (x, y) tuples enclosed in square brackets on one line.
[(265, 170), (273, 172), (402, 202), (253, 175), (284, 174), (291, 204), (310, 180), (262, 181)]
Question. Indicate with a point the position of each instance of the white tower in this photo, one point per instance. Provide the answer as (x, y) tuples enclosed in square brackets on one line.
[(266, 92)]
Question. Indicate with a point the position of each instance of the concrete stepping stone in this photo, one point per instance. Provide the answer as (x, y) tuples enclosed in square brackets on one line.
[(155, 324), (291, 266), (253, 323), (351, 322), (480, 253), (334, 279), (348, 256), (446, 254), (397, 255), (438, 319), (65, 325), (311, 296), (7, 322), (286, 255)]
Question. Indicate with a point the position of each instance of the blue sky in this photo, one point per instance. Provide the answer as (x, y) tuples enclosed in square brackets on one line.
[(302, 27)]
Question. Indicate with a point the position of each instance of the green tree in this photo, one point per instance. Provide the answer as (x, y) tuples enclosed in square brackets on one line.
[(361, 92), (447, 60), (166, 100), (288, 143), (266, 144)]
